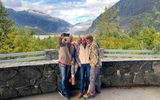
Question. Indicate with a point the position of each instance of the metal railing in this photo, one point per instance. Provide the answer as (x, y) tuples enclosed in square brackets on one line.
[(29, 56), (52, 54), (112, 53)]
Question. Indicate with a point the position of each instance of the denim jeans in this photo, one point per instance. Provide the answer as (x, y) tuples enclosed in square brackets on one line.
[(95, 81), (84, 77), (65, 71), (74, 69)]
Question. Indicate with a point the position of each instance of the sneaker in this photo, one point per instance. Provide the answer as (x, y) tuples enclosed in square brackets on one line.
[(91, 95), (85, 96), (64, 95), (61, 93), (80, 95)]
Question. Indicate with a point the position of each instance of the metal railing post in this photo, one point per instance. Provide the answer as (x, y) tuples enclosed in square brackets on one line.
[(51, 54), (101, 53)]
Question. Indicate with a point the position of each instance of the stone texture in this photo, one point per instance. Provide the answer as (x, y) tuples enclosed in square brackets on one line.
[(156, 66), (27, 80), (127, 79), (130, 73), (115, 80), (8, 73), (37, 79), (138, 78), (8, 92), (152, 78)]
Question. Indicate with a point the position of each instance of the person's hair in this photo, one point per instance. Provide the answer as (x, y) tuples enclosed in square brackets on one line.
[(89, 37)]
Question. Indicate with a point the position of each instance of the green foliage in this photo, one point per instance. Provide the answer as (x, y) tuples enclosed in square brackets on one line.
[(23, 41), (6, 26), (146, 38), (108, 35), (5, 23), (19, 39), (107, 26)]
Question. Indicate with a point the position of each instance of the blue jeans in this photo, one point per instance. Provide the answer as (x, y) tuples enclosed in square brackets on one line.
[(84, 77), (65, 71)]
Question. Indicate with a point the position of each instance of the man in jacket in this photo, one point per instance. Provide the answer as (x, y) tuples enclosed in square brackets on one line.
[(95, 63)]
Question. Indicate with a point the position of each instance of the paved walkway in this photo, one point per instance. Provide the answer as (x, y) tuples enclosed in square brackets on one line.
[(143, 93)]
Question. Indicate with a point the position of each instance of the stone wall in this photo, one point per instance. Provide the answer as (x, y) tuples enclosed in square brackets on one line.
[(38, 79), (27, 80), (131, 73)]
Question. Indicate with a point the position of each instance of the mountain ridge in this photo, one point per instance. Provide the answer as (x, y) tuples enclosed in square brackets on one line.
[(129, 10), (44, 22)]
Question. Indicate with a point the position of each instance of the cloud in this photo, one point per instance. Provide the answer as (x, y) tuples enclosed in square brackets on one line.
[(12, 3), (73, 11)]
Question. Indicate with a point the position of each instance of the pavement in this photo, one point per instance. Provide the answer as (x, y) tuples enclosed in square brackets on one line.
[(136, 93)]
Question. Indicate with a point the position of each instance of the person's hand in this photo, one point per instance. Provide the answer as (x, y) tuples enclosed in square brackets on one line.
[(72, 62), (92, 65), (79, 65)]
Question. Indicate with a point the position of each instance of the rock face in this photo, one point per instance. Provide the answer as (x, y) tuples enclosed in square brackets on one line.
[(31, 80), (127, 11)]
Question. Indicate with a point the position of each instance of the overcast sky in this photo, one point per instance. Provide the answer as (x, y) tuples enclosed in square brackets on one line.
[(73, 11)]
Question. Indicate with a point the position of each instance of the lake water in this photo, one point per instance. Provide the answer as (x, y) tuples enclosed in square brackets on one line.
[(46, 36)]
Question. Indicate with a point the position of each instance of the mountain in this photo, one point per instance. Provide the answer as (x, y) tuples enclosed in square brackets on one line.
[(39, 20), (80, 28), (128, 12)]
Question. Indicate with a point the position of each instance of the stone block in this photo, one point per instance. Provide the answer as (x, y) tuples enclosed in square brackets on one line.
[(138, 78)]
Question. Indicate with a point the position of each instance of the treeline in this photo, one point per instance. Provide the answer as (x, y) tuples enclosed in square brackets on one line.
[(139, 37), (109, 35), (18, 39), (147, 38)]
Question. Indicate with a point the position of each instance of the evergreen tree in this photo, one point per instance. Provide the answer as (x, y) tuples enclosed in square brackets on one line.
[(6, 26)]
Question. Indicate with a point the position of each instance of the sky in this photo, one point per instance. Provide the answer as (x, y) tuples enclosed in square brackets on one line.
[(73, 11)]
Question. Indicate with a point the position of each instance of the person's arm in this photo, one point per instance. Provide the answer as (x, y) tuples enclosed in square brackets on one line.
[(61, 42), (73, 55), (77, 57), (94, 55)]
